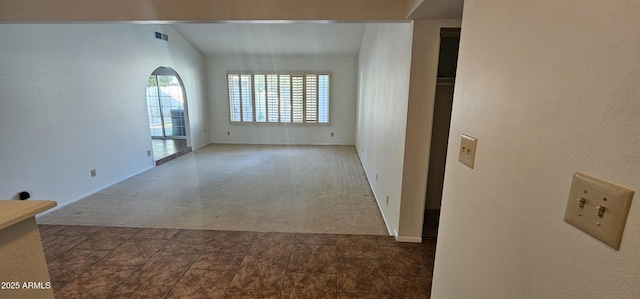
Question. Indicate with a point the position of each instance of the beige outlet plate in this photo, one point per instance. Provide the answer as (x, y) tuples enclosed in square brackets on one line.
[(467, 153), (599, 208)]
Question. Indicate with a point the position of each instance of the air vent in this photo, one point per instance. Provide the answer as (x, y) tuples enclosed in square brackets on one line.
[(162, 36)]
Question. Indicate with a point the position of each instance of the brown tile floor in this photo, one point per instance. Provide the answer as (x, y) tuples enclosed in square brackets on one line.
[(121, 262), (165, 150)]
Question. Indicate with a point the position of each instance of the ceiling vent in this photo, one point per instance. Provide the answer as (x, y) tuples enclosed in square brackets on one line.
[(162, 36)]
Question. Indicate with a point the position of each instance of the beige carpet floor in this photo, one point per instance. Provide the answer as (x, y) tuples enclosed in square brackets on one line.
[(305, 189)]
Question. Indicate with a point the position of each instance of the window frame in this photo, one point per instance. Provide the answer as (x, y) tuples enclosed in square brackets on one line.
[(292, 108)]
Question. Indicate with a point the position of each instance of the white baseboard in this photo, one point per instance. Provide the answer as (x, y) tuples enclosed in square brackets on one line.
[(277, 143), (386, 223), (406, 239), (193, 149), (409, 239)]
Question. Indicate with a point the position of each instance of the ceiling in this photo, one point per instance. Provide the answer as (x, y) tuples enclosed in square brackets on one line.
[(438, 9), (244, 27), (285, 38), (274, 38)]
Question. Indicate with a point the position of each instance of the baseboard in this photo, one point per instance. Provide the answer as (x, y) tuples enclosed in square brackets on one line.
[(386, 223), (283, 143), (199, 147), (66, 203), (408, 239)]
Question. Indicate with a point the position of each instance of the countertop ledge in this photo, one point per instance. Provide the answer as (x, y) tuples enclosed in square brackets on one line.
[(14, 211)]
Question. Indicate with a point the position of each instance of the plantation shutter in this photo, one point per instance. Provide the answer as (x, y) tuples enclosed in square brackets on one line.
[(272, 97), (311, 97), (246, 98), (323, 98), (285, 98), (234, 98), (260, 92), (297, 100), (279, 98)]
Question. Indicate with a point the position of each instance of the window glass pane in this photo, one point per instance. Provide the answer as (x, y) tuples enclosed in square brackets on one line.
[(323, 98), (155, 126), (153, 81), (246, 98), (166, 80), (311, 97), (152, 91), (272, 98), (285, 98), (151, 99), (260, 92), (165, 101)]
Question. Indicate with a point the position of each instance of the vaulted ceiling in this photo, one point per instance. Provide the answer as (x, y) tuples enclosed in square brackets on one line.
[(243, 27), (298, 38)]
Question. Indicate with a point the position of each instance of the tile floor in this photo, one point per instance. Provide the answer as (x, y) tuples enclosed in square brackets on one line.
[(165, 150), (124, 262)]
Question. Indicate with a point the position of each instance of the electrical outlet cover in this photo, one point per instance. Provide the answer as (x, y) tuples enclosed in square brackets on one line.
[(467, 154), (598, 208)]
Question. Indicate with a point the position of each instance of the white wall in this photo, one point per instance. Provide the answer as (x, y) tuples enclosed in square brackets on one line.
[(383, 91), (548, 88), (342, 106), (72, 98)]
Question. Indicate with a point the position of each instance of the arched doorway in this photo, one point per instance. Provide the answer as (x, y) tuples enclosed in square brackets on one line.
[(167, 114)]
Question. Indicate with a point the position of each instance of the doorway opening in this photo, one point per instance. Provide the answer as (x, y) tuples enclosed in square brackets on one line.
[(447, 64), (167, 115)]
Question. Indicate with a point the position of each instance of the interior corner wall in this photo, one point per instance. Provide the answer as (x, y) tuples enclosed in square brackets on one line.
[(548, 88), (422, 91), (383, 91), (72, 99), (342, 103)]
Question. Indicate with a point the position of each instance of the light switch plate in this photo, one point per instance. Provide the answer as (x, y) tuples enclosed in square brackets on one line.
[(598, 208), (467, 153)]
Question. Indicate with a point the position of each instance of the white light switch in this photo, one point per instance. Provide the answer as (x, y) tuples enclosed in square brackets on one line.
[(598, 208), (467, 153)]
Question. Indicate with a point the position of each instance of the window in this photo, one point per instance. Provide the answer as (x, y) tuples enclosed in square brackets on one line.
[(279, 98), (165, 105)]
